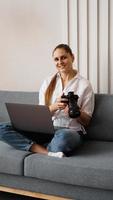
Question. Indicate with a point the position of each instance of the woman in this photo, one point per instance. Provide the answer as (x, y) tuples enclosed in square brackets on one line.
[(69, 132)]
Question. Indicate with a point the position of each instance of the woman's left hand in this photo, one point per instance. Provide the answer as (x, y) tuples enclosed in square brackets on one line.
[(66, 109)]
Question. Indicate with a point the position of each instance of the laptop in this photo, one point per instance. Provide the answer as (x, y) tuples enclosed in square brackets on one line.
[(30, 118)]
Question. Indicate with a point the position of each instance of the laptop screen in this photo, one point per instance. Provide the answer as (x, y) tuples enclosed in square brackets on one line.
[(30, 118)]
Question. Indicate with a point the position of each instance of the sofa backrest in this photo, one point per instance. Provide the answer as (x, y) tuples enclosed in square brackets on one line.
[(16, 97), (101, 126)]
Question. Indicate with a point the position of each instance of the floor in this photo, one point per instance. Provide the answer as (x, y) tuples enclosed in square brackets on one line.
[(9, 196)]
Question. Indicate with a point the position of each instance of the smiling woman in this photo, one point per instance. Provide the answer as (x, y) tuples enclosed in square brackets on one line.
[(63, 61), (67, 79), (69, 130)]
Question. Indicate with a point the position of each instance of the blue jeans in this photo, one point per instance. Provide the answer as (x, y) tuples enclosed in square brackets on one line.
[(14, 138), (65, 140)]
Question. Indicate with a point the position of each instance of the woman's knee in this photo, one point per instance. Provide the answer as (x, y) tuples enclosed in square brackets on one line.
[(71, 140), (65, 141), (68, 136)]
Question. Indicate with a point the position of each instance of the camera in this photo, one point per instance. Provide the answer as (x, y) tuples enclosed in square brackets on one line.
[(71, 99)]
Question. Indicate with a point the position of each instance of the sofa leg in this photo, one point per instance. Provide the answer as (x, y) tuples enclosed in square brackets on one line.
[(30, 194)]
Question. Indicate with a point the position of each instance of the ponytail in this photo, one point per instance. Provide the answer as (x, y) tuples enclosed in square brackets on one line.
[(49, 90)]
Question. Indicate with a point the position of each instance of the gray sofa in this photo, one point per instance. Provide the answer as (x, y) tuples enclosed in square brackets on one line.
[(86, 175)]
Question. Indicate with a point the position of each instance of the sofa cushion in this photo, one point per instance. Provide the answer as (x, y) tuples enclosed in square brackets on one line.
[(11, 160), (91, 166), (101, 126)]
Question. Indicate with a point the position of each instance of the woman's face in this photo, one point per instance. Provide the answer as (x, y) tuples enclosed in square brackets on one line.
[(63, 60)]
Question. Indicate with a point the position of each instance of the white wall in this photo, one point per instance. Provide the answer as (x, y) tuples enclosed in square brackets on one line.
[(30, 29)]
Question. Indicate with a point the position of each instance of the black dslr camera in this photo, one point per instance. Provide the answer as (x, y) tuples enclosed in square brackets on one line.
[(71, 99)]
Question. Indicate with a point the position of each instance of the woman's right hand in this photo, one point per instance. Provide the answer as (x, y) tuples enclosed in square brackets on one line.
[(58, 105)]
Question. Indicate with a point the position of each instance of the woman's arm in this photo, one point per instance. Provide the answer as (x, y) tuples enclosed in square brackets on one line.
[(84, 119)]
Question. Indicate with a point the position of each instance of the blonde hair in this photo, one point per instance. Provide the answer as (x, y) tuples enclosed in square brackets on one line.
[(51, 87), (49, 90)]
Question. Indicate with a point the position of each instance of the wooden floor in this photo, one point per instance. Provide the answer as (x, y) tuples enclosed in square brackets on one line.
[(10, 196), (26, 195)]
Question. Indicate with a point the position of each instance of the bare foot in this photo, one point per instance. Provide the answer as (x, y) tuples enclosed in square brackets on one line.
[(36, 148)]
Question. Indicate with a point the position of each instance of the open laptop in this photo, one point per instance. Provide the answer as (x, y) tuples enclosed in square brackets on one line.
[(30, 118)]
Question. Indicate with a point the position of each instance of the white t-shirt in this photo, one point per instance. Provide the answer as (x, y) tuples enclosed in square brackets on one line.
[(79, 86)]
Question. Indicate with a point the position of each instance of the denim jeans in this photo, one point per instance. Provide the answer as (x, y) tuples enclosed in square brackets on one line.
[(65, 140), (14, 138)]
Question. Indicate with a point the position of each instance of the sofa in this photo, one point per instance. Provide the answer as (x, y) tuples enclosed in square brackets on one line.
[(86, 175)]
